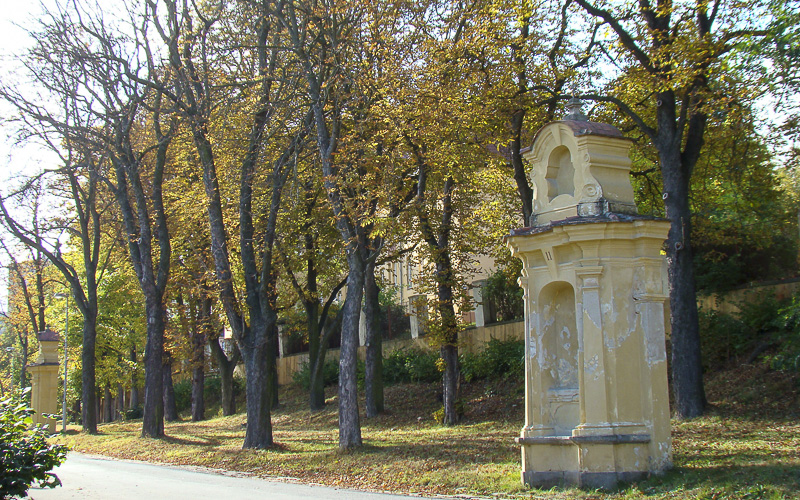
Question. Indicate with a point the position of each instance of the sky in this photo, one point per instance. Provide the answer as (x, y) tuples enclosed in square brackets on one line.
[(16, 159), (13, 40), (12, 160)]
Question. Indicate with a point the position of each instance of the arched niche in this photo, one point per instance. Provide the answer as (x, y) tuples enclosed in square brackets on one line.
[(560, 341), (579, 168), (560, 174)]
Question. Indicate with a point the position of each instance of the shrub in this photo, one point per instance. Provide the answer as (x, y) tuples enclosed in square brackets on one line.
[(473, 366), (410, 365), (506, 357), (787, 338), (500, 359), (134, 413), (722, 338), (25, 455), (394, 322), (764, 326), (460, 408), (762, 313), (212, 391), (183, 394), (330, 374)]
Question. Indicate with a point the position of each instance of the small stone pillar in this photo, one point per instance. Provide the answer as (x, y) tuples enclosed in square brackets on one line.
[(362, 329), (477, 296), (596, 396), (283, 340), (44, 379), (417, 315)]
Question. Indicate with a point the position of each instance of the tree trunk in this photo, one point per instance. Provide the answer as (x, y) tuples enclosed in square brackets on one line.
[(686, 365), (449, 353), (520, 167), (373, 377), (23, 369), (107, 404), (449, 336), (120, 410), (198, 400), (134, 401), (316, 357), (449, 348), (88, 384), (226, 367), (170, 408), (227, 395), (272, 375), (259, 424), (76, 410), (153, 421), (198, 376), (349, 422)]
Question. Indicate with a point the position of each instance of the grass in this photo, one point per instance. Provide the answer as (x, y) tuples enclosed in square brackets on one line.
[(744, 450)]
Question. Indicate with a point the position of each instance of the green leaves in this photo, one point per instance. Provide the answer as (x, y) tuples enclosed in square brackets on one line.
[(25, 455)]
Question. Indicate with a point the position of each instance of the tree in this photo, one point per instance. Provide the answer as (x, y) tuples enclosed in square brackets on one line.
[(26, 287), (193, 293), (320, 36), (437, 122), (744, 222), (118, 124), (276, 136), (671, 55), (82, 175), (318, 258), (121, 325)]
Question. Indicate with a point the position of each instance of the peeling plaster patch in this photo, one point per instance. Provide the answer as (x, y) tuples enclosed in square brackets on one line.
[(638, 285), (609, 341), (634, 318), (591, 301), (653, 326), (542, 358), (593, 367), (623, 337), (550, 319), (608, 308), (664, 450), (567, 375)]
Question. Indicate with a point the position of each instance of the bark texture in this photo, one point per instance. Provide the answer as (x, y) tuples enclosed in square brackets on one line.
[(349, 421), (259, 425), (373, 377), (226, 366), (170, 408)]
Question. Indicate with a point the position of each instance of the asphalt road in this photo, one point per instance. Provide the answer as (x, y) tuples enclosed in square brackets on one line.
[(86, 476)]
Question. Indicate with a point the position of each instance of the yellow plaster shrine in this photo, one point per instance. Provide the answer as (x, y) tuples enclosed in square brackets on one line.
[(44, 380), (596, 396)]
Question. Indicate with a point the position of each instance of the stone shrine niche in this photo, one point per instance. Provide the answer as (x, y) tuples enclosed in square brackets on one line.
[(577, 171), (560, 341), (596, 399), (560, 174)]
